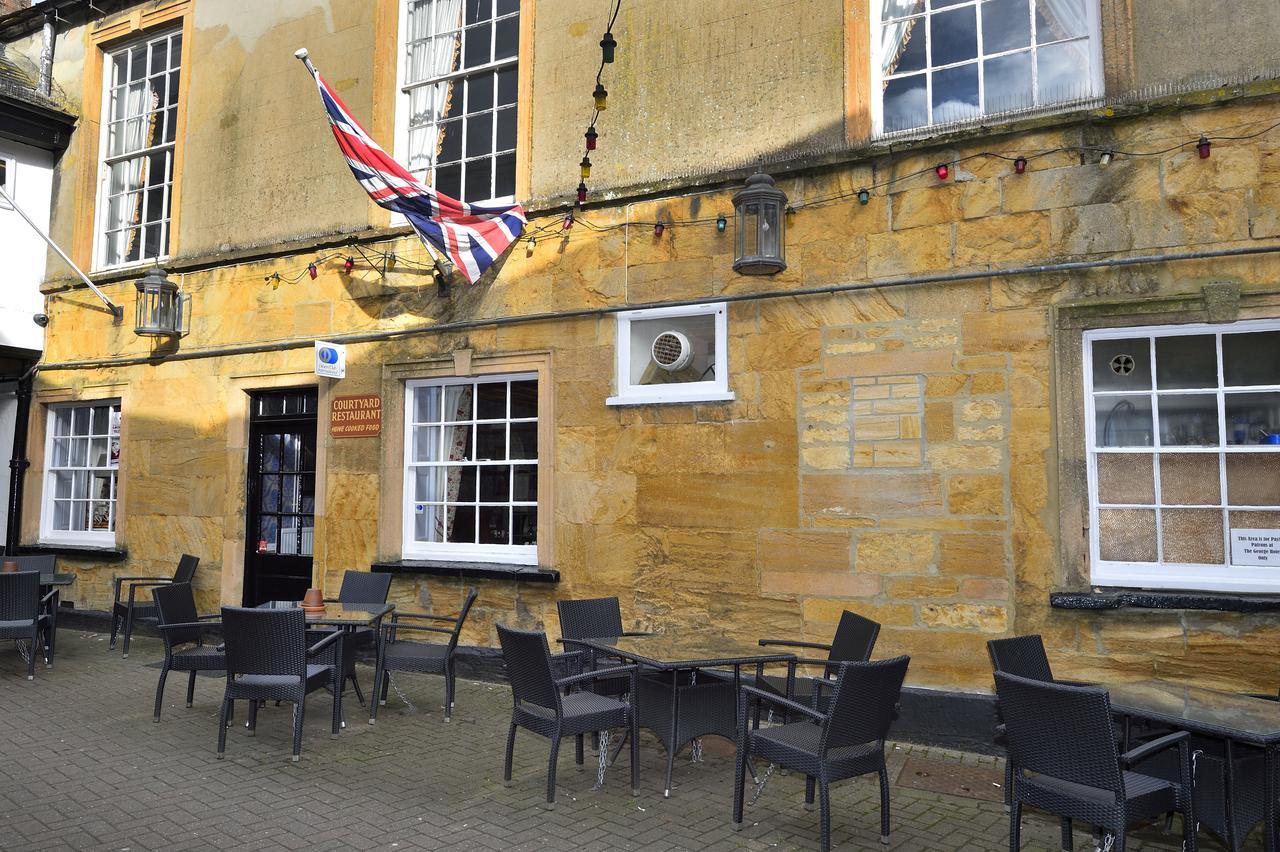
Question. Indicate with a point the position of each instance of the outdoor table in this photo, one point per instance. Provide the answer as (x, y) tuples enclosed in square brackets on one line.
[(1227, 716), (676, 704), (346, 617)]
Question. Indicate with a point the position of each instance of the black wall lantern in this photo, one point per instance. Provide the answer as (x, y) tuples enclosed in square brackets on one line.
[(759, 213), (162, 310)]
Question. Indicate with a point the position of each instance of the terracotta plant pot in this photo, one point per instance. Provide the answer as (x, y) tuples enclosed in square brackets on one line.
[(9, 567), (313, 601)]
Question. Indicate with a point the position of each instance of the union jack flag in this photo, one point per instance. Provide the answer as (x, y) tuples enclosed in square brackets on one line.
[(470, 235)]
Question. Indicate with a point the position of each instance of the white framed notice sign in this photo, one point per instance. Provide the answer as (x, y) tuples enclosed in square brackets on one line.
[(1255, 547)]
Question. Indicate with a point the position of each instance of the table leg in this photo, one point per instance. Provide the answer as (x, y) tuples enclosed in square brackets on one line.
[(1269, 802), (337, 682), (673, 743)]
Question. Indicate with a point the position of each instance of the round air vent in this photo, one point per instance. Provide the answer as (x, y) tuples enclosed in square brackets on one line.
[(671, 351)]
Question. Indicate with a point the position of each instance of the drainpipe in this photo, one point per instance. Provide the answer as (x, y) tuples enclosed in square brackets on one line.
[(48, 38), (18, 464)]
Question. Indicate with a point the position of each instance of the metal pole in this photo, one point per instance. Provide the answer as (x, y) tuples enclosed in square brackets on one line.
[(116, 310)]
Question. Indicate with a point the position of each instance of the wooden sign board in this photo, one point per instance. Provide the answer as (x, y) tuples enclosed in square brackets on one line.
[(355, 416)]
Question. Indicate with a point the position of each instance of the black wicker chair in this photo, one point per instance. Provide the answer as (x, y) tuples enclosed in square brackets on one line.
[(419, 657), (134, 608), (268, 660), (183, 633), (360, 587), (845, 742), (854, 640), (22, 615), (1063, 751), (594, 618), (47, 565), (541, 707)]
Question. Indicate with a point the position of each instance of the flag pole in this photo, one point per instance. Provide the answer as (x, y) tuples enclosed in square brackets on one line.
[(443, 281)]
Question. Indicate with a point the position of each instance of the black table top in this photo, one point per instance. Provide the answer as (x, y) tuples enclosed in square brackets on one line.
[(338, 614), (684, 649), (1204, 711), (57, 579)]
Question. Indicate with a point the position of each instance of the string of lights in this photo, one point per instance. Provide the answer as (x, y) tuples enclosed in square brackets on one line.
[(600, 102)]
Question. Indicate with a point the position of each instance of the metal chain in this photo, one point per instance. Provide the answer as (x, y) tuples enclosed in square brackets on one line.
[(764, 779), (1107, 840), (401, 695), (604, 758), (695, 753), (23, 650)]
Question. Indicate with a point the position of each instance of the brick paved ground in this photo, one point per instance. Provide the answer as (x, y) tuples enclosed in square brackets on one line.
[(82, 766)]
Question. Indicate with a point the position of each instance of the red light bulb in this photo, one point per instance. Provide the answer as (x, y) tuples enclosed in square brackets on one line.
[(582, 192), (312, 271), (591, 136), (943, 170), (348, 265), (1202, 147), (1020, 165), (658, 228), (568, 222)]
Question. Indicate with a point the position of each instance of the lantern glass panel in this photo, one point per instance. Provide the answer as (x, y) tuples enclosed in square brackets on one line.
[(770, 230)]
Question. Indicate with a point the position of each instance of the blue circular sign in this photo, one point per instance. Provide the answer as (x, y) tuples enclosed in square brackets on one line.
[(328, 355)]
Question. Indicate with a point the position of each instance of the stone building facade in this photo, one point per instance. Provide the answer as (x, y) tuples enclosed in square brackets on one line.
[(906, 433)]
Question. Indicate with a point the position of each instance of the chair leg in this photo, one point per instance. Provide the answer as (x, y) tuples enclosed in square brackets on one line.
[(164, 674), (551, 771), (577, 751), (739, 773), (511, 748), (1008, 784), (448, 690), (1119, 844), (386, 684), (1068, 842), (379, 674), (35, 649), (224, 718), (299, 710), (810, 786), (191, 687), (1015, 826), (884, 806), (824, 815), (128, 631), (635, 752), (51, 636), (252, 723)]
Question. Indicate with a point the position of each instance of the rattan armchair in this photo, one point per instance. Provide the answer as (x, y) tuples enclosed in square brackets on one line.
[(268, 660), (23, 616), (594, 618), (359, 587), (854, 639), (845, 742), (134, 607), (541, 706), (399, 655), (183, 633), (1062, 748)]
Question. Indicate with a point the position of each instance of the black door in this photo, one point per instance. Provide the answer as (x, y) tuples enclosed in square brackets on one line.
[(281, 500)]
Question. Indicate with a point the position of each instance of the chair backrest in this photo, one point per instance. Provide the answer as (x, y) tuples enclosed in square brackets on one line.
[(265, 641), (364, 587), (528, 661), (590, 618), (45, 563), (1061, 731), (176, 604), (855, 638), (186, 570), (462, 617), (19, 596), (864, 701), (1023, 656)]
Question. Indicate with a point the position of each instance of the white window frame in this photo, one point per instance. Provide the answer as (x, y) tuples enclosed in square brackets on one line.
[(514, 554), (1224, 577), (87, 538), (402, 106), (104, 169), (715, 390), (1095, 88)]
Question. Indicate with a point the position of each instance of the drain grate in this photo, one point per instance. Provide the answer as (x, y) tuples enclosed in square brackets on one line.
[(953, 779)]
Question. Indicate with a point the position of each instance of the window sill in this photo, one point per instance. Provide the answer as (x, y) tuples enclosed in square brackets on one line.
[(1144, 599), (82, 551), (669, 399), (482, 570)]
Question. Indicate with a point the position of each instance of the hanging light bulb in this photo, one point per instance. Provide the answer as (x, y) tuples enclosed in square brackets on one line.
[(608, 45), (585, 167), (1202, 147), (864, 195), (312, 271), (348, 265), (721, 223), (591, 137), (582, 192), (391, 259), (658, 228), (568, 222), (529, 247), (601, 96), (1105, 159), (943, 170), (1020, 165)]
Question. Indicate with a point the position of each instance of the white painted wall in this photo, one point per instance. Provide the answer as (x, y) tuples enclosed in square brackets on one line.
[(22, 252)]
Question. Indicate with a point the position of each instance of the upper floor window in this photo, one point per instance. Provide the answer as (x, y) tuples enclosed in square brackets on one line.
[(82, 463), (459, 79), (944, 61), (1183, 432), (139, 129)]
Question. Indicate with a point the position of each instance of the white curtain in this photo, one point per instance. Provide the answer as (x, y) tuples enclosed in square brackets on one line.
[(894, 36), (138, 132), (456, 438), (434, 56), (1067, 18)]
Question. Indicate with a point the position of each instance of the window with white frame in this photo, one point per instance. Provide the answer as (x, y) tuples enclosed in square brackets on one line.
[(139, 132), (1183, 432), (471, 469), (945, 61), (459, 77), (82, 453), (672, 355)]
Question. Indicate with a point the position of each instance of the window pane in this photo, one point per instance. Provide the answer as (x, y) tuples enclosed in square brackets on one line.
[(289, 494), (524, 525), (506, 7), (1190, 479), (1251, 359), (477, 10), (461, 524), (506, 138), (1126, 478), (457, 403), (905, 47), (62, 514), (1192, 536), (1186, 361), (477, 48), (79, 452), (1188, 420), (100, 486), (1008, 82), (504, 176), (1253, 479), (460, 484), (457, 443), (491, 442), (428, 523), (507, 38), (80, 421), (80, 515), (1059, 19), (429, 484), (426, 406), (495, 525), (955, 93), (268, 529), (898, 8), (61, 451), (685, 344), (526, 483), (480, 93), (270, 453), (524, 440), (1127, 535), (270, 488), (1252, 416), (62, 421), (524, 399), (508, 85), (449, 145), (1122, 421), (1062, 72), (101, 424), (1122, 364), (495, 484), (477, 180), (1006, 25), (491, 400), (62, 484), (100, 516), (954, 36), (449, 181), (426, 443)]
